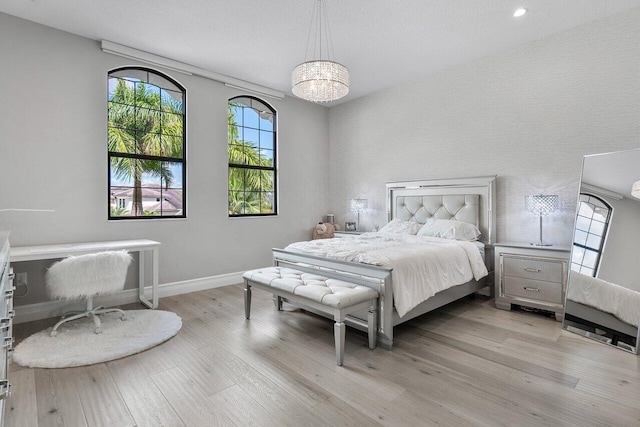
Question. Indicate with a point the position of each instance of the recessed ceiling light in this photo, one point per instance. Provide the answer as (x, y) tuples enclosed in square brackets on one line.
[(518, 13)]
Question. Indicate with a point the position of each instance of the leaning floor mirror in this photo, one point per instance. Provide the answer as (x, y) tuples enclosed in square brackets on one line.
[(603, 294)]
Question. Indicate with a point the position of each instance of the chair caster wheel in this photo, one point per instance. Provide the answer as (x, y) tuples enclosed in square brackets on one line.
[(98, 331), (54, 333), (124, 318)]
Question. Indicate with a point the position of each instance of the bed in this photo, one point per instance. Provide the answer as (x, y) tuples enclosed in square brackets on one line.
[(594, 304), (470, 200)]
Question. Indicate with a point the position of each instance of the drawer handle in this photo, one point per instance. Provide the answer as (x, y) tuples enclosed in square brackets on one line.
[(532, 270), (8, 343), (529, 288), (5, 323), (5, 389)]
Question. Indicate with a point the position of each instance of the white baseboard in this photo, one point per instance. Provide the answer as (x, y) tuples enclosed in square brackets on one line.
[(44, 310)]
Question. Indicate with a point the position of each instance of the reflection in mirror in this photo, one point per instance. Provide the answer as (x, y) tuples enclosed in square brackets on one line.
[(592, 223), (603, 294)]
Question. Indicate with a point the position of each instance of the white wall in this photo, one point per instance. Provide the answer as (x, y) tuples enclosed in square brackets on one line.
[(53, 114), (528, 115)]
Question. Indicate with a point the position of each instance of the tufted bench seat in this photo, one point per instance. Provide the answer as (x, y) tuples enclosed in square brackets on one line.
[(330, 296)]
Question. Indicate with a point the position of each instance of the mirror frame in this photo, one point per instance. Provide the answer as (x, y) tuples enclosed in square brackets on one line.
[(565, 322)]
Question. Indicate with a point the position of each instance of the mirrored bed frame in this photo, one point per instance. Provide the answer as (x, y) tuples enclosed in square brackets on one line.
[(470, 200)]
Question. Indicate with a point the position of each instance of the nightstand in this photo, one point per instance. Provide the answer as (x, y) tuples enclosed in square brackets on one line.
[(531, 276), (341, 233)]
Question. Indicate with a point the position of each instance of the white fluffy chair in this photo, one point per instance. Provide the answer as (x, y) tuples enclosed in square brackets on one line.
[(86, 276)]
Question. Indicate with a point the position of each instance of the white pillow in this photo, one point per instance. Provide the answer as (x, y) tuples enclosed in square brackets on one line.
[(450, 229), (401, 227)]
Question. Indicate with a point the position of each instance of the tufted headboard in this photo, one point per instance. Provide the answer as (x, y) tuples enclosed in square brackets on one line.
[(469, 200), (461, 207)]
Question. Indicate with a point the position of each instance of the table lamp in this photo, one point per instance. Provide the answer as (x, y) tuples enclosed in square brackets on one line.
[(542, 205), (358, 205)]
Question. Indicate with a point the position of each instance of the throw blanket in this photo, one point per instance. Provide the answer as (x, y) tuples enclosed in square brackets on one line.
[(623, 303), (422, 266)]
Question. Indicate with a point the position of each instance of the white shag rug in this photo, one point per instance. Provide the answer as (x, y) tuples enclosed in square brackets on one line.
[(77, 345)]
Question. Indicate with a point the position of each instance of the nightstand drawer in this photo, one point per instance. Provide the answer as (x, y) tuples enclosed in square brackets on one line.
[(538, 290), (533, 268)]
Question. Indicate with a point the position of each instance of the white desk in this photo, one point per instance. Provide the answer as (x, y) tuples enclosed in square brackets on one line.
[(33, 253)]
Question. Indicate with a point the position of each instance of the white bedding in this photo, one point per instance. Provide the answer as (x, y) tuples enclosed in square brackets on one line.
[(623, 303), (422, 266)]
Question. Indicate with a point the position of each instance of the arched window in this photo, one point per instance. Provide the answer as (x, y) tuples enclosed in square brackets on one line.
[(252, 157), (146, 140), (592, 225)]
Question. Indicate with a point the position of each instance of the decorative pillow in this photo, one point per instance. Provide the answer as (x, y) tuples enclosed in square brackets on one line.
[(401, 227), (450, 229)]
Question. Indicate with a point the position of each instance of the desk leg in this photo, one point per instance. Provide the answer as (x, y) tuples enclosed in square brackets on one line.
[(154, 278)]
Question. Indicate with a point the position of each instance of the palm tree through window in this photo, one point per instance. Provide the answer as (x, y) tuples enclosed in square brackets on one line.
[(146, 144), (252, 157)]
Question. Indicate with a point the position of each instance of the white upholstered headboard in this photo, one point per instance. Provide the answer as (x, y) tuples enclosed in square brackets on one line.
[(463, 199)]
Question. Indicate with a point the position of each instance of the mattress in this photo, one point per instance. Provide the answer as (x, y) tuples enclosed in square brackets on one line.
[(422, 266), (614, 299)]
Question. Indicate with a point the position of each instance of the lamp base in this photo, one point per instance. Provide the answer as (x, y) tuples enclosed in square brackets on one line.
[(541, 244)]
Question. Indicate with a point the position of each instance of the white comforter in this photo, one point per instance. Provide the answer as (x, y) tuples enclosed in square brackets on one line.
[(422, 266), (611, 298)]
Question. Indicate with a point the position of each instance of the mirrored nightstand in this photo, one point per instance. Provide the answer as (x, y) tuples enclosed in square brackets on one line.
[(531, 276)]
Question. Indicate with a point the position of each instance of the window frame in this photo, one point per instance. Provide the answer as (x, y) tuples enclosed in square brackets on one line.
[(182, 160), (603, 237), (273, 168)]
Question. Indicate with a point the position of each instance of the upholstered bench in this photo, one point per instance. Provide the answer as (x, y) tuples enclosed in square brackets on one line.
[(331, 296)]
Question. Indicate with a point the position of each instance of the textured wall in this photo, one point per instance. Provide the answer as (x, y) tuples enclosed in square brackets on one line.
[(527, 115), (53, 151)]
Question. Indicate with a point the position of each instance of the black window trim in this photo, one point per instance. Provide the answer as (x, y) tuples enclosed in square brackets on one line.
[(182, 160), (257, 167), (603, 239)]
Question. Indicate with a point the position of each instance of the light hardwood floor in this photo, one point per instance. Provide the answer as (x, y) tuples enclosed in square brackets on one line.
[(465, 364)]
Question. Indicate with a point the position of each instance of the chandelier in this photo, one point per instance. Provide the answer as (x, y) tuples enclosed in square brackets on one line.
[(322, 79)]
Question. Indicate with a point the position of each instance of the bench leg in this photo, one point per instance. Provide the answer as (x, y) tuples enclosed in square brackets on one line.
[(277, 301), (247, 299), (339, 335), (372, 320)]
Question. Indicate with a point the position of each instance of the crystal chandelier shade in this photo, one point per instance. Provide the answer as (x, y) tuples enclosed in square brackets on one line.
[(321, 79)]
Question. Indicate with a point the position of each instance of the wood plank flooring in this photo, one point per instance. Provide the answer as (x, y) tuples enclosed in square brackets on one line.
[(467, 364)]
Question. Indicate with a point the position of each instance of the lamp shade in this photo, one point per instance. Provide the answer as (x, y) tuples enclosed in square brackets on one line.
[(542, 204), (320, 81), (359, 205), (635, 190)]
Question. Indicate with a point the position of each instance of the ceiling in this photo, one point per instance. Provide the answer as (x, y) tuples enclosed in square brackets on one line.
[(383, 43), (613, 171)]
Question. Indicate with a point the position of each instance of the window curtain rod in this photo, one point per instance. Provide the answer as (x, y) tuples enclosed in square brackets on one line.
[(181, 67)]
